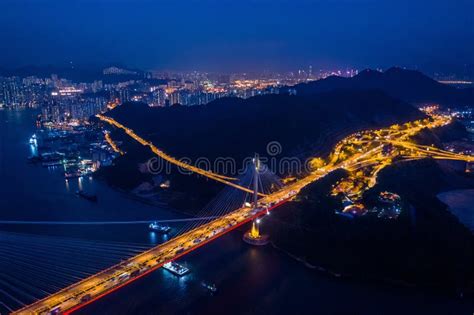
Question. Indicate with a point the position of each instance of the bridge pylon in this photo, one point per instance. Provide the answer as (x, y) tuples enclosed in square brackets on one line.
[(253, 236)]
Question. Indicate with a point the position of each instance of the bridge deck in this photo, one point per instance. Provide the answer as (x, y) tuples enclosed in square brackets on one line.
[(92, 288)]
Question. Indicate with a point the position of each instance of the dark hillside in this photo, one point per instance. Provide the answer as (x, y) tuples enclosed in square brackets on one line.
[(408, 85), (238, 128), (425, 246)]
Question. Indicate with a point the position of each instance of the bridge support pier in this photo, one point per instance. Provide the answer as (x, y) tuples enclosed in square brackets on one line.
[(254, 237)]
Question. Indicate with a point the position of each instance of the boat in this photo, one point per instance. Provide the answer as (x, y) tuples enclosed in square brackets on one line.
[(210, 287), (72, 174), (155, 226), (86, 196), (53, 163), (52, 158), (78, 173), (176, 268)]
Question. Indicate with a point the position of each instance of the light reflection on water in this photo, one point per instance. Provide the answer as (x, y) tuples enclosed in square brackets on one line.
[(79, 183), (152, 237), (34, 149)]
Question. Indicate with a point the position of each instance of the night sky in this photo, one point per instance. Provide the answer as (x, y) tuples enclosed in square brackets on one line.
[(236, 35)]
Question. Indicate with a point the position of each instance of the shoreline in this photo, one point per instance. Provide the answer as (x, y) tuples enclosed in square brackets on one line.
[(144, 200), (393, 283)]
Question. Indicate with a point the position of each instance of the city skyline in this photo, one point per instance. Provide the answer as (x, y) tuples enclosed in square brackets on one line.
[(224, 36)]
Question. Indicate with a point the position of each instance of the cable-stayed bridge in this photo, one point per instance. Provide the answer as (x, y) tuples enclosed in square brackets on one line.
[(347, 154)]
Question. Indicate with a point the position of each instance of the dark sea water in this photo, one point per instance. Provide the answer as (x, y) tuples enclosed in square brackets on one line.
[(250, 280), (461, 204)]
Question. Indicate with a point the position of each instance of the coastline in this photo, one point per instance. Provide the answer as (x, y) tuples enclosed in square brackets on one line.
[(143, 200), (460, 203), (368, 280)]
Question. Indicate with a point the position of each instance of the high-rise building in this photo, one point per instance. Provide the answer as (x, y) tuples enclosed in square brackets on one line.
[(11, 93), (124, 95), (174, 98), (159, 97)]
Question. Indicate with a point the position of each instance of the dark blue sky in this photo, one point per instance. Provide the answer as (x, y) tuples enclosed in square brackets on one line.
[(233, 35)]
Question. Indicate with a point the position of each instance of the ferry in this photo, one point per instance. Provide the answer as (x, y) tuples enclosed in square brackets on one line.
[(74, 174), (86, 196), (176, 268), (154, 226), (53, 163), (210, 287)]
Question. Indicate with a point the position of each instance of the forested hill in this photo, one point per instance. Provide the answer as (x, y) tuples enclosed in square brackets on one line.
[(408, 85), (303, 125)]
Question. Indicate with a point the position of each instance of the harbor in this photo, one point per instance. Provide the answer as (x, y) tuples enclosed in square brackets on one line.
[(77, 151)]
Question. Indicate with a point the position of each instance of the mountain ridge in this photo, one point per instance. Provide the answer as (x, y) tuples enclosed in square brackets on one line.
[(408, 85)]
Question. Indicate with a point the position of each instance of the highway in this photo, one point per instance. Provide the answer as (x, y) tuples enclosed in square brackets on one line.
[(112, 144), (220, 178), (360, 150)]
